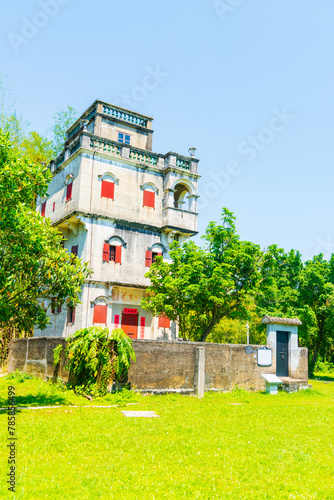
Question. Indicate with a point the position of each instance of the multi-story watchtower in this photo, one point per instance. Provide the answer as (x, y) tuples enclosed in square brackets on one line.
[(118, 205)]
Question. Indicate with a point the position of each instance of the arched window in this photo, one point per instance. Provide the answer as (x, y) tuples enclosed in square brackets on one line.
[(112, 249), (180, 193), (69, 184), (149, 193), (108, 181), (156, 250)]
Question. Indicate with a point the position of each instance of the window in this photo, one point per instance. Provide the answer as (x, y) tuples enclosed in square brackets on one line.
[(69, 191), (180, 193), (148, 199), (74, 249), (70, 315), (100, 314), (123, 138), (107, 189), (112, 253), (151, 257), (164, 322), (55, 308), (43, 209), (53, 206)]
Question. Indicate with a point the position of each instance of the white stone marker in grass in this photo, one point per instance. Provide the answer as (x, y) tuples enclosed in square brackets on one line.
[(147, 414), (271, 383)]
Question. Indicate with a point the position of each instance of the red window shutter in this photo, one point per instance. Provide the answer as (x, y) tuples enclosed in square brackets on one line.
[(118, 254), (100, 314), (69, 191), (74, 249), (106, 252), (107, 189), (70, 314), (53, 206), (149, 199), (148, 260), (43, 209), (164, 322)]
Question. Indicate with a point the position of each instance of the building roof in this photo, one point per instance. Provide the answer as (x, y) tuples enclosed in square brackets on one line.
[(281, 321)]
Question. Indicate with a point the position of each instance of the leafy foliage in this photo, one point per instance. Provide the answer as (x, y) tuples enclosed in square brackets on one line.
[(34, 268), (291, 288), (37, 148), (57, 353), (62, 121), (95, 357), (19, 376), (203, 285)]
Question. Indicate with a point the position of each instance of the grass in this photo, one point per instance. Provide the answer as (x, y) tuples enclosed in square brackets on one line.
[(235, 445)]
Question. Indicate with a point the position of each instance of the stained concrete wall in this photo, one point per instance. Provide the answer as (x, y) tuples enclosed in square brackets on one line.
[(162, 366), (297, 363)]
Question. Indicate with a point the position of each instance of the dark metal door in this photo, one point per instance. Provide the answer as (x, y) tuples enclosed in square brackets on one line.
[(282, 354)]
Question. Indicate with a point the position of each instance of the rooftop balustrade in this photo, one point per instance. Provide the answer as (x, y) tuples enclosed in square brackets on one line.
[(106, 146), (127, 152), (124, 116)]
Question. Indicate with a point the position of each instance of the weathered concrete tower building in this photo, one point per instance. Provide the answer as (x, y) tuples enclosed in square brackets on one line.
[(118, 205)]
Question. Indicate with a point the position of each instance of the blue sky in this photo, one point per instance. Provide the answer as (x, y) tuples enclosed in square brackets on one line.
[(248, 83)]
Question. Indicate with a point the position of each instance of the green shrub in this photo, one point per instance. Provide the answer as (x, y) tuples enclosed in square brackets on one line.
[(18, 376), (324, 367), (95, 358)]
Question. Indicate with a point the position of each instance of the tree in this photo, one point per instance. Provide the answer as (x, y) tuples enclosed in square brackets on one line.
[(203, 285), (34, 268), (233, 331), (291, 288), (37, 148), (62, 121), (95, 357)]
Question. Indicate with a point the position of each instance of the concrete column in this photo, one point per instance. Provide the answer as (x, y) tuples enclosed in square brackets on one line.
[(199, 371), (126, 152), (85, 141)]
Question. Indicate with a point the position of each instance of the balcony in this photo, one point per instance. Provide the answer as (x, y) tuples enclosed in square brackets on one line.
[(180, 219)]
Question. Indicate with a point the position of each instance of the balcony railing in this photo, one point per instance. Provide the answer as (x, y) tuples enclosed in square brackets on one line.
[(183, 219), (139, 156), (91, 114), (60, 159), (124, 116), (106, 146), (182, 163), (74, 147), (143, 157)]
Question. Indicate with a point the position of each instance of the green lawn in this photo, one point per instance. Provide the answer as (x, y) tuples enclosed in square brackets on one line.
[(238, 445)]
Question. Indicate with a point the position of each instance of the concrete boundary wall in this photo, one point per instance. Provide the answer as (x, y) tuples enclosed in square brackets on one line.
[(163, 366)]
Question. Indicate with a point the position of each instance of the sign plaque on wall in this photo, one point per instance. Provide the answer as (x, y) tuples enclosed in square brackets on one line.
[(128, 310), (264, 356)]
